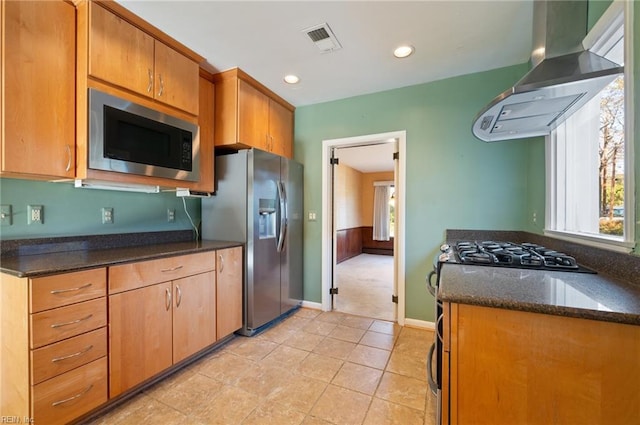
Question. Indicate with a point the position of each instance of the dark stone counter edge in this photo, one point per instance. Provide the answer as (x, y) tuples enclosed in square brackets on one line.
[(124, 251), (49, 245), (601, 316)]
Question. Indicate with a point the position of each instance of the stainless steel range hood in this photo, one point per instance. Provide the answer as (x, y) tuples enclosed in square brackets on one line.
[(563, 78)]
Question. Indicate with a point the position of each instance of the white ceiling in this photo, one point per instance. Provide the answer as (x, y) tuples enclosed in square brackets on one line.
[(265, 39), (368, 159)]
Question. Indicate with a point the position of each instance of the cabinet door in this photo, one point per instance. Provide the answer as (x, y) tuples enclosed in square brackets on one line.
[(38, 48), (120, 53), (140, 335), (253, 116), (194, 314), (229, 290), (206, 122), (176, 79), (281, 129)]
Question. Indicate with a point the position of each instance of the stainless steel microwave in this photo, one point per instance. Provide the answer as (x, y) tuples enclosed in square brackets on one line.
[(129, 138)]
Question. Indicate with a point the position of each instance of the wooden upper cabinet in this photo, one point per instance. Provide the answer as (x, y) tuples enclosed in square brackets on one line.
[(38, 90), (119, 52), (248, 115), (253, 116), (281, 129), (122, 54), (206, 122), (176, 79)]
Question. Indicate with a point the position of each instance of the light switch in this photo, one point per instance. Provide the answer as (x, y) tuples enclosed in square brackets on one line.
[(312, 216)]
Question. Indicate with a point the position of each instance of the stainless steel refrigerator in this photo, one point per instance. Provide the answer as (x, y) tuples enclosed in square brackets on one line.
[(258, 201)]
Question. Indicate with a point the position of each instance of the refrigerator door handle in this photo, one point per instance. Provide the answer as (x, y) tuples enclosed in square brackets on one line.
[(282, 197)]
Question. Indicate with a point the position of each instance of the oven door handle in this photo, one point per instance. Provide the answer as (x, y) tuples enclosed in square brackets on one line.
[(430, 286), (432, 383)]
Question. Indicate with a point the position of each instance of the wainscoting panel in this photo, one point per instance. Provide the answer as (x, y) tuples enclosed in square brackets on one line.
[(369, 246), (349, 243)]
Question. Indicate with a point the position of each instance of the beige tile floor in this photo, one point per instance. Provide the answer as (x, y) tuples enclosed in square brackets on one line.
[(313, 368)]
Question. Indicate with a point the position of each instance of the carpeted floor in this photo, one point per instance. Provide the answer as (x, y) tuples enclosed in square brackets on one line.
[(365, 285)]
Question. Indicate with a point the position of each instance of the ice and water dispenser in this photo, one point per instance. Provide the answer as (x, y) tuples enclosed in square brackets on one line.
[(267, 218)]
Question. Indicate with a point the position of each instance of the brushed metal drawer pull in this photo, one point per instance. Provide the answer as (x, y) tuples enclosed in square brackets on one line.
[(62, 291), (168, 299), (173, 269), (68, 167), (221, 263), (79, 353), (150, 86), (67, 400), (178, 295), (161, 91), (73, 322)]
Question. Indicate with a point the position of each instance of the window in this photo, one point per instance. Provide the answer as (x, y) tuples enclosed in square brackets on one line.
[(589, 163), (383, 211)]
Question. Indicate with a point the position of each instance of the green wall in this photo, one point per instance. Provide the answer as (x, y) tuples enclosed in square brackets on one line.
[(636, 104), (71, 212), (453, 179), (595, 10)]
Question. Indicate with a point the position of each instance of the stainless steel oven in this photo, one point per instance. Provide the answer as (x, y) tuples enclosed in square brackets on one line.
[(488, 254), (126, 137), (434, 358)]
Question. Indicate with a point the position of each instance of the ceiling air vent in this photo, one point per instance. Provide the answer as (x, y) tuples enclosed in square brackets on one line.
[(323, 38)]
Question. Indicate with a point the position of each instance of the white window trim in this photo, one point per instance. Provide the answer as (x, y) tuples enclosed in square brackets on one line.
[(599, 40)]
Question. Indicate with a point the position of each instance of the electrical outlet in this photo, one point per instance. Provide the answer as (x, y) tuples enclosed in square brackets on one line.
[(6, 215), (107, 215), (171, 215), (35, 214)]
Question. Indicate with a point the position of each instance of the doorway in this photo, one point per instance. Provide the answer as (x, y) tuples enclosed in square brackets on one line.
[(369, 275)]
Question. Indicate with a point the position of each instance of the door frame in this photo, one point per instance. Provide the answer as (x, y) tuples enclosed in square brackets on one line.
[(327, 212)]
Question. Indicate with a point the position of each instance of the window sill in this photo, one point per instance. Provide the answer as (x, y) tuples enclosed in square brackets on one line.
[(603, 241)]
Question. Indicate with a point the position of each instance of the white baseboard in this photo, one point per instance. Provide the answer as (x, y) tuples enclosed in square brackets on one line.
[(422, 324), (312, 305)]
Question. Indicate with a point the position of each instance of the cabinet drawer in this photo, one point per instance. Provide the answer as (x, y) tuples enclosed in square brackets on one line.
[(65, 397), (69, 288), (55, 359), (64, 322), (145, 273)]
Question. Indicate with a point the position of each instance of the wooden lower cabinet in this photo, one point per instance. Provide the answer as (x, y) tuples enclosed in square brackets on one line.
[(66, 397), (152, 328), (229, 270), (156, 326), (140, 335), (62, 356), (194, 314), (53, 346), (515, 367)]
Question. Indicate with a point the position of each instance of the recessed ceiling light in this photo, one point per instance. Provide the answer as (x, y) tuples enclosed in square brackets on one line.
[(291, 79), (403, 51)]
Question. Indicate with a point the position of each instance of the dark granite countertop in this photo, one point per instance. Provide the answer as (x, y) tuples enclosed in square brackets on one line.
[(39, 258), (613, 294), (583, 295)]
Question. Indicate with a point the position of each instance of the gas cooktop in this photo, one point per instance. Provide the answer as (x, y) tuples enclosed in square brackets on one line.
[(509, 254)]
